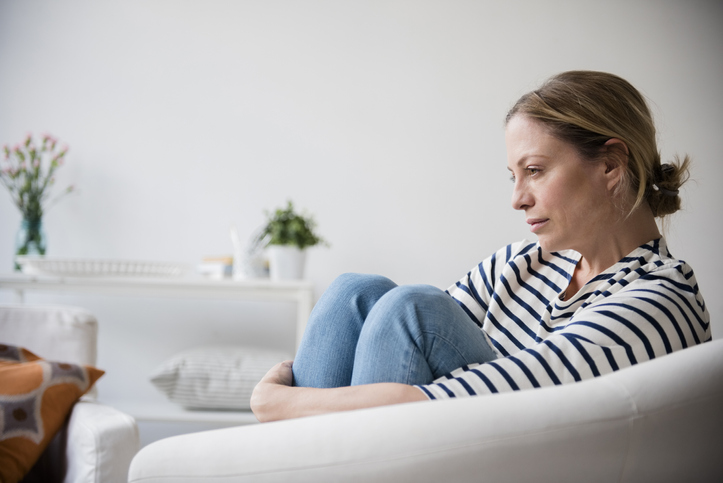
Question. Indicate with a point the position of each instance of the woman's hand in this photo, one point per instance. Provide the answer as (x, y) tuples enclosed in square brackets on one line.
[(280, 374), (269, 392), (274, 397)]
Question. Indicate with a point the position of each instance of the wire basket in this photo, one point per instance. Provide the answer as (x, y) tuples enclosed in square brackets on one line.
[(99, 268)]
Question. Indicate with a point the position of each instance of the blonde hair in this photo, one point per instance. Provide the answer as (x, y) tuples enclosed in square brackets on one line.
[(586, 109)]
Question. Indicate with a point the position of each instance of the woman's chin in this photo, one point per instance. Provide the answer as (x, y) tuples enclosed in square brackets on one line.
[(549, 244)]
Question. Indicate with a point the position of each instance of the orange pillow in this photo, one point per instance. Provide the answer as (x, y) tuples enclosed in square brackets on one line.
[(36, 397)]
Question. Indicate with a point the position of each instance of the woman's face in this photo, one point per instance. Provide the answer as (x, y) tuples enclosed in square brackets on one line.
[(565, 197)]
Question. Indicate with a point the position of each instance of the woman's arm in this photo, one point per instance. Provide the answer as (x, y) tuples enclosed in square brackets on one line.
[(274, 398)]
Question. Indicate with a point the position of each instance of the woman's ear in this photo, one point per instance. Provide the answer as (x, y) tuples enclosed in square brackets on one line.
[(616, 161)]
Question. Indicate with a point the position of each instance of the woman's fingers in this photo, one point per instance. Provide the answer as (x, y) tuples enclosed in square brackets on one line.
[(266, 397), (280, 374)]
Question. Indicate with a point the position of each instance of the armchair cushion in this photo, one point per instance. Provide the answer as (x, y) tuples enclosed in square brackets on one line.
[(36, 396)]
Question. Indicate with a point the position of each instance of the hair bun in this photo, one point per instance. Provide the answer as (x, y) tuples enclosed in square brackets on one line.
[(666, 182), (663, 177)]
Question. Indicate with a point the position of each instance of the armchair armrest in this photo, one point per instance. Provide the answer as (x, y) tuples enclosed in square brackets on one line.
[(657, 421), (101, 442)]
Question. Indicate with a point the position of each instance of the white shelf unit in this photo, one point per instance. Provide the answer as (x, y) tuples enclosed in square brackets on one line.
[(300, 292), (171, 413)]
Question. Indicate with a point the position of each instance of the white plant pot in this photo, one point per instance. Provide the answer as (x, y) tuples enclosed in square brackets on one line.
[(286, 262)]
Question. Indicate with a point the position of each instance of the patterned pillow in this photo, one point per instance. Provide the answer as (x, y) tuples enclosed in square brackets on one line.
[(36, 396), (216, 377)]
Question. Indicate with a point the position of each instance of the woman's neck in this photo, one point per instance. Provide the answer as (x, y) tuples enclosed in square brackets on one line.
[(618, 240)]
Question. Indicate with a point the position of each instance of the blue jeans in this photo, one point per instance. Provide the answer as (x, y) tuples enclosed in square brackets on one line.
[(366, 329)]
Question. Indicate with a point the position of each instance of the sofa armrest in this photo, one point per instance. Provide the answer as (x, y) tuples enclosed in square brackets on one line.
[(101, 442)]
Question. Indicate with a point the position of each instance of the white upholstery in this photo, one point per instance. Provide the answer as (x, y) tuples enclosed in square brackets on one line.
[(657, 421), (98, 442), (101, 444), (52, 332)]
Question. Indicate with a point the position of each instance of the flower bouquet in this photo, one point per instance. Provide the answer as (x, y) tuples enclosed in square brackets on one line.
[(27, 171)]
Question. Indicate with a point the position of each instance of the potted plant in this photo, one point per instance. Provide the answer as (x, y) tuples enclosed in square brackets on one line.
[(287, 235)]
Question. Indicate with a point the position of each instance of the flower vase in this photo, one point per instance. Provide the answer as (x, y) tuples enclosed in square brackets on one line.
[(30, 239)]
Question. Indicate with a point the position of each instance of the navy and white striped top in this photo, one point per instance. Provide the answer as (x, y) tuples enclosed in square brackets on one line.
[(646, 305)]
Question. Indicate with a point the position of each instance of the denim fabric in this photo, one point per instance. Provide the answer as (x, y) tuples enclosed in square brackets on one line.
[(366, 329)]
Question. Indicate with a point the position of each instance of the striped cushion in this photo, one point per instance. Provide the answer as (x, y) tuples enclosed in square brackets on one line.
[(219, 377)]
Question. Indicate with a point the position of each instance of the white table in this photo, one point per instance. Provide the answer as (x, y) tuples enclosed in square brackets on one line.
[(300, 291)]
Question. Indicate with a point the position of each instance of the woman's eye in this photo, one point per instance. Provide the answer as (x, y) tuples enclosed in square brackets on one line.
[(512, 178), (533, 171)]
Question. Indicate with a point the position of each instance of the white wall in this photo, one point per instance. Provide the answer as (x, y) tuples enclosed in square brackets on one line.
[(382, 118)]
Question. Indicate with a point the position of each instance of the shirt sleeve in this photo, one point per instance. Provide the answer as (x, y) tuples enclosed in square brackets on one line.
[(658, 313), (473, 292)]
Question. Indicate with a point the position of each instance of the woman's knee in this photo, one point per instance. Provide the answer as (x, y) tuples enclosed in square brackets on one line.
[(357, 281), (351, 286), (418, 305), (348, 299), (416, 296)]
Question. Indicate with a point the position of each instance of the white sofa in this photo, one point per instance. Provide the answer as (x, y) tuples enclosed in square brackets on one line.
[(658, 421), (98, 442)]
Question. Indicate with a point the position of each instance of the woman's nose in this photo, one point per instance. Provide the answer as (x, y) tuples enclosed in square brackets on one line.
[(521, 197)]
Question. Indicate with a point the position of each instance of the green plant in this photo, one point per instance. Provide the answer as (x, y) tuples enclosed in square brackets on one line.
[(286, 227), (28, 173)]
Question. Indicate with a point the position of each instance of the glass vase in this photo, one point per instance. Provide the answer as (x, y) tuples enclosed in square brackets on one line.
[(30, 239)]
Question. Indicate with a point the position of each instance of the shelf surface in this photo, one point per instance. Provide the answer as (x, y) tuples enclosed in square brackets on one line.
[(169, 412), (26, 281), (247, 289)]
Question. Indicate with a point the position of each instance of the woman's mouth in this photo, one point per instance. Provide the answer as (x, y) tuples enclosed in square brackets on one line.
[(537, 223)]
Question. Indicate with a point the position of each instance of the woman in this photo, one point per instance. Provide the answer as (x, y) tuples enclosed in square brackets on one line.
[(597, 292)]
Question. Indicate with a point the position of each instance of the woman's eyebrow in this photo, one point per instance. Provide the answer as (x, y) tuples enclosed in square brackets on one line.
[(521, 161), (526, 157)]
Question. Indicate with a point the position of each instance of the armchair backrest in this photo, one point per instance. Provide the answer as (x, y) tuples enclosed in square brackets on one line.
[(53, 332)]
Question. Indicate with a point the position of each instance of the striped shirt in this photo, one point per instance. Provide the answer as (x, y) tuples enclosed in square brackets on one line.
[(646, 305)]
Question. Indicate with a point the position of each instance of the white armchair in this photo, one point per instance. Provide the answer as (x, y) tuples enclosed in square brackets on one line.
[(659, 421), (98, 442)]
